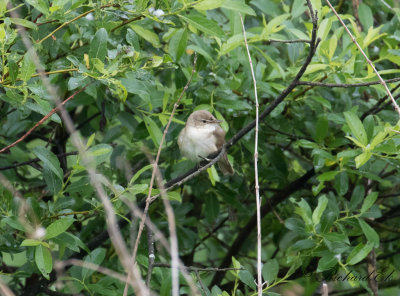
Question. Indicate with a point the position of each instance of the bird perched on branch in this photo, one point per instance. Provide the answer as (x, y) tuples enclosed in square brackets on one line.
[(202, 136)]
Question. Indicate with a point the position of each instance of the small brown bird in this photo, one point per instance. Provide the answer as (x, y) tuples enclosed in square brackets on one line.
[(203, 136)]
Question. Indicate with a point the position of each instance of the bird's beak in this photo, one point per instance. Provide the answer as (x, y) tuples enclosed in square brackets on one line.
[(217, 121)]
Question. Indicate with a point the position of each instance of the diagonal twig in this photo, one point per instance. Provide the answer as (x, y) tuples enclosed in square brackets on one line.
[(396, 107)]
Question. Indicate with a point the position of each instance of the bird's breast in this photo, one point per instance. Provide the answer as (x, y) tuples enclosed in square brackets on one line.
[(196, 142)]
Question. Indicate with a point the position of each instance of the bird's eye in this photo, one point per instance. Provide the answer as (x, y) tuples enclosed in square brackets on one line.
[(204, 121)]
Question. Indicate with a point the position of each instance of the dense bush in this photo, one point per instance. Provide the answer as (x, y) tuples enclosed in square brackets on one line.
[(328, 150)]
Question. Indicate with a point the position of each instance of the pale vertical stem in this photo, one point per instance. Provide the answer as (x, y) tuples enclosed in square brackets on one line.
[(396, 107), (112, 226), (155, 164), (257, 188), (5, 290), (155, 167)]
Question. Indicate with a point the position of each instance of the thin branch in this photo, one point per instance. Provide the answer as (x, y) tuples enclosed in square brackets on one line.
[(346, 85), (152, 257), (288, 41), (111, 222), (216, 156), (60, 265), (396, 107), (377, 107), (193, 268), (74, 19), (125, 22), (256, 187), (15, 165), (54, 110), (155, 164)]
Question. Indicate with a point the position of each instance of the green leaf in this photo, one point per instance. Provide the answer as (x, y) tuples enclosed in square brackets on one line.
[(327, 262), (342, 183), (154, 131), (43, 260), (303, 245), (50, 160), (327, 176), (270, 271), (369, 232), (203, 24), (98, 45), (304, 211), (356, 127), (208, 4), (58, 227), (28, 67), (319, 210), (365, 15), (147, 35), (336, 237), (239, 6), (100, 153), (369, 201), (30, 242), (246, 277), (362, 159), (211, 208), (23, 23), (177, 44), (40, 5), (357, 196), (53, 182), (359, 252), (95, 257), (174, 195)]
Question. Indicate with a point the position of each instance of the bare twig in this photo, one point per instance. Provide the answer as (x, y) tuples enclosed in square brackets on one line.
[(15, 165), (5, 290), (194, 268), (74, 19), (112, 225), (54, 110), (396, 107), (152, 257), (257, 187), (125, 22), (155, 164), (60, 265), (346, 85)]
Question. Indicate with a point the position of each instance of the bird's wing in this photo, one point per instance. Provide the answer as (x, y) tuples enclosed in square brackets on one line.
[(219, 134)]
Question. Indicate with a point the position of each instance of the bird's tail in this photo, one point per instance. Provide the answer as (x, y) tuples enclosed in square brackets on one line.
[(225, 166)]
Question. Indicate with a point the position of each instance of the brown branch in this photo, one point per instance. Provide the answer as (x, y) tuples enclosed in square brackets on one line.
[(345, 85), (193, 268), (381, 81), (55, 109), (15, 165), (125, 22)]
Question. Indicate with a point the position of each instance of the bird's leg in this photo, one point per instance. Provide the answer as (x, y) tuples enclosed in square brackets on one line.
[(204, 158)]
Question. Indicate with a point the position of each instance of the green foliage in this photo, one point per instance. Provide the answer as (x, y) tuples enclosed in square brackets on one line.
[(328, 156)]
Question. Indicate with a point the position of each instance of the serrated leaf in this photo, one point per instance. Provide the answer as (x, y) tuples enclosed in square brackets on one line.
[(246, 277), (50, 160)]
